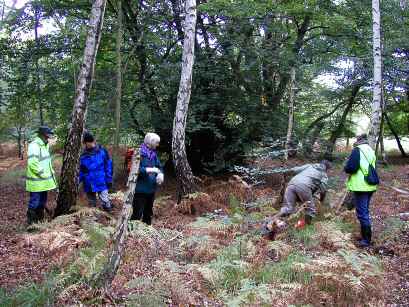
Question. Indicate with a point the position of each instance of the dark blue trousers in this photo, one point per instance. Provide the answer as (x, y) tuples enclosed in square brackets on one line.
[(362, 200), (37, 200)]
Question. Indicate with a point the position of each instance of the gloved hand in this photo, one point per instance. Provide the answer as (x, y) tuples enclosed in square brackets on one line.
[(160, 178), (153, 170)]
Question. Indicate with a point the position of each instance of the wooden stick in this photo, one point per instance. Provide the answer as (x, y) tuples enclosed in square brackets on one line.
[(108, 273)]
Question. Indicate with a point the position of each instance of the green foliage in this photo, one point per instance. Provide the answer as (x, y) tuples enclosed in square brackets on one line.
[(362, 263), (343, 226), (304, 235), (32, 294), (243, 57), (394, 226), (235, 206), (284, 271)]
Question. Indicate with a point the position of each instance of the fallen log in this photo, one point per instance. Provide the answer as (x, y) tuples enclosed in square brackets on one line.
[(108, 273)]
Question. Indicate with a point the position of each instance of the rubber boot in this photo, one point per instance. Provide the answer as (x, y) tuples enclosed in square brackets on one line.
[(308, 219), (366, 232), (31, 216), (40, 214)]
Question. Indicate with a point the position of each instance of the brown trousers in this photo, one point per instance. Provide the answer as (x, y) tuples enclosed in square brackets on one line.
[(294, 194)]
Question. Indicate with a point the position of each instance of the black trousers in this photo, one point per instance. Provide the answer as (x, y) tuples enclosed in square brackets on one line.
[(143, 207)]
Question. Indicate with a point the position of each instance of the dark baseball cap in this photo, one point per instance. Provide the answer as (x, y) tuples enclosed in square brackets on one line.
[(45, 130)]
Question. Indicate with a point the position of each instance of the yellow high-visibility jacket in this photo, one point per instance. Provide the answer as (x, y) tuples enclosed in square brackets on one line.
[(40, 174)]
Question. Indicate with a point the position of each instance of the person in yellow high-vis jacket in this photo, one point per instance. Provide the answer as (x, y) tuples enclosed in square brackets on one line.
[(40, 176), (357, 167)]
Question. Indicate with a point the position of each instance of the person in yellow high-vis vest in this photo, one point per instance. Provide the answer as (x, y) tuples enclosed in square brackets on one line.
[(357, 167), (40, 176)]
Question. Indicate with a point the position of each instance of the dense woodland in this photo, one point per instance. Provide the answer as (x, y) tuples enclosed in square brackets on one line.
[(221, 82), (245, 52)]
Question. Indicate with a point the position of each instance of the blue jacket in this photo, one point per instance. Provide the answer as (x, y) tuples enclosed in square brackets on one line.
[(95, 169), (353, 163), (146, 183)]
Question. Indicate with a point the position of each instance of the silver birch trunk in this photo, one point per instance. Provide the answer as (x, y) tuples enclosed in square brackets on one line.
[(184, 173), (68, 189), (377, 78), (118, 77), (38, 80), (288, 143)]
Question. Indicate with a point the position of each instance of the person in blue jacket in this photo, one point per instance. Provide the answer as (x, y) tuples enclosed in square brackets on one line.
[(150, 176), (95, 172)]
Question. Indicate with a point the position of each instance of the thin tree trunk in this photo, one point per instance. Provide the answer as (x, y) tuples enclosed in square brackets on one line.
[(380, 144), (338, 130), (121, 231), (68, 190), (184, 173), (118, 77), (2, 10), (377, 78), (312, 138), (19, 144), (288, 143), (395, 134), (38, 87)]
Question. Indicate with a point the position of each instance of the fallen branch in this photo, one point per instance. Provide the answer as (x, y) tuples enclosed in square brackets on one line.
[(399, 190), (121, 231)]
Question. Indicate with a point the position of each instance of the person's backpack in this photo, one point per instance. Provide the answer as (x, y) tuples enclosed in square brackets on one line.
[(372, 177)]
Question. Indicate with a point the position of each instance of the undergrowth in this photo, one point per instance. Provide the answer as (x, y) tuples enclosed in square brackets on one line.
[(393, 227), (284, 271), (32, 294), (14, 177), (305, 236), (62, 286)]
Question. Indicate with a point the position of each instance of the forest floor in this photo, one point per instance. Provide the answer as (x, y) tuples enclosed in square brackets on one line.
[(208, 251)]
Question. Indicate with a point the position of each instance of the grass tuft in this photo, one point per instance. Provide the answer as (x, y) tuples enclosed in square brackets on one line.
[(284, 271)]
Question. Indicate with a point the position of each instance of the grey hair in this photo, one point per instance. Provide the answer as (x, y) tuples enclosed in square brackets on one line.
[(151, 138)]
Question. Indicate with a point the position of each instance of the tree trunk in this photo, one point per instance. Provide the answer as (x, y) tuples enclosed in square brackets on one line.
[(377, 78), (311, 139), (395, 134), (68, 190), (380, 142), (184, 173), (288, 143), (121, 231), (118, 77), (338, 130), (19, 144), (37, 58)]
